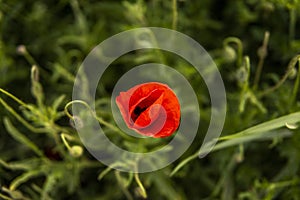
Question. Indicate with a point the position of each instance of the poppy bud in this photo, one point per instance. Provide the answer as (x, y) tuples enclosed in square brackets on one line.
[(293, 73), (229, 54), (21, 49), (76, 151)]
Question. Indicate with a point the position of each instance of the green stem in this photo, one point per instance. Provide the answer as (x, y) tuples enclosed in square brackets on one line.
[(138, 181), (262, 55), (80, 19), (29, 58), (122, 185), (239, 44), (175, 14), (36, 87), (99, 119), (292, 25), (5, 197), (281, 184), (296, 86), (20, 137), (283, 79), (254, 133), (184, 162), (63, 137), (20, 119), (13, 97)]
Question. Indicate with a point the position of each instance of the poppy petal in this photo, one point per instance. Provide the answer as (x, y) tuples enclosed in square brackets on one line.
[(151, 109)]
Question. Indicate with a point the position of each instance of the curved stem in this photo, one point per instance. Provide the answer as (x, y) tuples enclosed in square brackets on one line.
[(13, 97), (184, 162), (123, 187), (239, 44), (99, 119), (63, 138), (283, 79), (138, 181), (20, 119)]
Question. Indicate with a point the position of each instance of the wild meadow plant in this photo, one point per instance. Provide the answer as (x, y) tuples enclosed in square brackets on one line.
[(255, 45)]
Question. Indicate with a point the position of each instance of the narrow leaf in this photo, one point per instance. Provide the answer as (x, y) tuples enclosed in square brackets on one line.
[(258, 132), (21, 137), (27, 165), (24, 178)]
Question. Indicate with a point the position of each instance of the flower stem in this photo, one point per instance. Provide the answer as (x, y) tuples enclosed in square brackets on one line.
[(13, 97), (296, 86), (262, 53), (175, 14), (239, 45), (138, 181), (283, 79)]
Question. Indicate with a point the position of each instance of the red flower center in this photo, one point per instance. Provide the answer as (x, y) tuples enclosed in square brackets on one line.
[(145, 103)]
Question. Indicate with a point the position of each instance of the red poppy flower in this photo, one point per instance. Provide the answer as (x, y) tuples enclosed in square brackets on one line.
[(151, 109)]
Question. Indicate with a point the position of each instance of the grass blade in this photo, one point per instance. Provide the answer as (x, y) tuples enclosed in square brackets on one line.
[(259, 132)]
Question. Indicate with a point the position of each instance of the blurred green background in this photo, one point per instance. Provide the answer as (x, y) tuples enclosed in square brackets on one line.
[(256, 46)]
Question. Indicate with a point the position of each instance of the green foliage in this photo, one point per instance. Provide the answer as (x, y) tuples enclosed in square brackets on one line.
[(255, 45)]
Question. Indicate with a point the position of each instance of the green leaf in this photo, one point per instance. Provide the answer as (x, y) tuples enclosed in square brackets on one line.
[(27, 164), (24, 178), (21, 137), (49, 185), (267, 126), (58, 101), (14, 194), (258, 132)]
